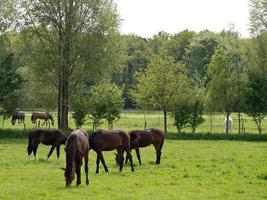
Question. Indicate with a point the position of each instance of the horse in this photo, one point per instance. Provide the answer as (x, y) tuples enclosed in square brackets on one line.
[(103, 140), (20, 116), (76, 148), (42, 115), (140, 139), (47, 137)]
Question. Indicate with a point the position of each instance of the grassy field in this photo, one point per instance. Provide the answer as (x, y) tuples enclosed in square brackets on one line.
[(135, 120), (189, 170)]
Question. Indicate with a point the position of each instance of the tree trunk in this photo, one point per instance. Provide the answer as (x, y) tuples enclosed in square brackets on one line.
[(227, 123), (239, 123), (65, 106), (211, 122), (165, 119)]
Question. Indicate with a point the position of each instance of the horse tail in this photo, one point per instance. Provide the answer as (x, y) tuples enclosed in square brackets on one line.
[(32, 117)]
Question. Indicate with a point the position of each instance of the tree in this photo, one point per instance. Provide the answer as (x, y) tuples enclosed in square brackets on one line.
[(256, 98), (189, 111), (105, 103), (198, 56), (226, 69), (258, 16), (160, 85), (67, 40), (10, 80), (136, 58)]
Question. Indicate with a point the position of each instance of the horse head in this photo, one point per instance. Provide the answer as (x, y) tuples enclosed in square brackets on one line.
[(13, 120), (69, 176)]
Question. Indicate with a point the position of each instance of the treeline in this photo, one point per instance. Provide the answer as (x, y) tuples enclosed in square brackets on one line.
[(69, 56)]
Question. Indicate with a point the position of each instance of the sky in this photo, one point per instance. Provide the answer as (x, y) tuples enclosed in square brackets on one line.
[(147, 17)]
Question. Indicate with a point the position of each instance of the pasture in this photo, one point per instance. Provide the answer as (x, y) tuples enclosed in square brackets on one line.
[(189, 170), (132, 119)]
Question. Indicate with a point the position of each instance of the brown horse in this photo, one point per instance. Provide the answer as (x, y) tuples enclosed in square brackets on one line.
[(47, 137), (43, 115), (20, 116), (102, 140), (140, 139), (76, 148)]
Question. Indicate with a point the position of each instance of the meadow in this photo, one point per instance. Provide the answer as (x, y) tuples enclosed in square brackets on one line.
[(189, 169), (134, 119)]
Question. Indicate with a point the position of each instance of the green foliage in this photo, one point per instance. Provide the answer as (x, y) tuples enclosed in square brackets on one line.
[(227, 71), (258, 17), (79, 107), (198, 56), (160, 86), (10, 81), (105, 102), (256, 98), (189, 113), (136, 58)]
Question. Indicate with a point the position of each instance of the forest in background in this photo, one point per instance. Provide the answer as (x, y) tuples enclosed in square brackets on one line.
[(69, 56)]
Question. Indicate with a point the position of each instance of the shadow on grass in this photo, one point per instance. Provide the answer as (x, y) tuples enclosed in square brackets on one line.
[(216, 136)]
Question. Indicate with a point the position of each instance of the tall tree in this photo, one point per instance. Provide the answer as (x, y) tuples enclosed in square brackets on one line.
[(160, 85), (10, 79), (198, 56), (68, 40), (226, 69), (258, 16)]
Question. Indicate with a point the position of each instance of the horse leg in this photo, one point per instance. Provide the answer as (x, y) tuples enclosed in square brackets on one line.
[(97, 162), (129, 155), (120, 154), (43, 123), (58, 151), (138, 155), (103, 162), (86, 167), (51, 151), (35, 151), (78, 170), (158, 147)]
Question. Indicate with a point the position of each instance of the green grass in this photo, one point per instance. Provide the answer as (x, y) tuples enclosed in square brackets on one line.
[(135, 120), (189, 170)]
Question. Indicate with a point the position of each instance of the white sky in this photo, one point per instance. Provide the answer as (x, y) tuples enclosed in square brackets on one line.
[(147, 17)]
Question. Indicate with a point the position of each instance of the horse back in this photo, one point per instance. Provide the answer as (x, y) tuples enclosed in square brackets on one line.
[(80, 139), (48, 137), (109, 140)]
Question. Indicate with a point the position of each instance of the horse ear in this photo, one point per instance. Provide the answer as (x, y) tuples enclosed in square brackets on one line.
[(63, 168)]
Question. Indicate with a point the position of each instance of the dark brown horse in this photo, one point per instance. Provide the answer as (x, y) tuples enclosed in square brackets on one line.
[(20, 116), (140, 139), (42, 115), (76, 148), (47, 137), (102, 140)]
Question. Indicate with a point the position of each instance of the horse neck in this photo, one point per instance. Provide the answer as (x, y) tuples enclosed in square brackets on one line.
[(71, 152)]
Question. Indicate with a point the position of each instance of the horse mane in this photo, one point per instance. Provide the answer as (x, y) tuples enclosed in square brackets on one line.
[(71, 149)]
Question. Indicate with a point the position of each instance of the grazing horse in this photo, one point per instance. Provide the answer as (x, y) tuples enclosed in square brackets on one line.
[(102, 140), (42, 115), (145, 138), (20, 116), (47, 137), (76, 148)]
